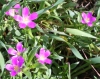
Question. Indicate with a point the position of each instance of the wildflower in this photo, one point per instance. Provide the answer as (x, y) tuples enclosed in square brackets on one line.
[(13, 11), (18, 51), (26, 18), (42, 56), (88, 19), (15, 66)]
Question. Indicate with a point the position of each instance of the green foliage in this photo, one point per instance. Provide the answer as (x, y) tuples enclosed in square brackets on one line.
[(74, 47)]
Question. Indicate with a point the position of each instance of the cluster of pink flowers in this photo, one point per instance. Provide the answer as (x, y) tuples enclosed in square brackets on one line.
[(17, 60), (25, 19)]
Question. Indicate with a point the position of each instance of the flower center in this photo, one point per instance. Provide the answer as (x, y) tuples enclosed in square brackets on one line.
[(12, 12), (18, 53), (42, 57), (16, 68), (87, 20), (25, 20)]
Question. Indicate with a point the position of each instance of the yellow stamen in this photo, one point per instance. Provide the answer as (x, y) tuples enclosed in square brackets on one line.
[(25, 20), (18, 53), (16, 68), (87, 20), (42, 58)]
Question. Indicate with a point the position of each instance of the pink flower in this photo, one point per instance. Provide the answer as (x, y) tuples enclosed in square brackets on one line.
[(88, 19), (26, 18), (18, 51), (15, 66), (13, 11), (42, 56)]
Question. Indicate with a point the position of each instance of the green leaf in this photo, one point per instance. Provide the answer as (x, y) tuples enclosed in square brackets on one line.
[(3, 45), (2, 63), (28, 74), (35, 0), (38, 65), (98, 14), (32, 53), (39, 28), (73, 65), (79, 33), (75, 51), (42, 5), (71, 4), (58, 2), (56, 17), (71, 13), (17, 32), (95, 60), (43, 10), (48, 74), (56, 37), (47, 8), (56, 56), (58, 32), (79, 16), (2, 1)]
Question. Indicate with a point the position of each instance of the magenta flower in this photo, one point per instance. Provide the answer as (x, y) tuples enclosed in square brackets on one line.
[(13, 11), (42, 56), (18, 51), (26, 18), (88, 19), (15, 66)]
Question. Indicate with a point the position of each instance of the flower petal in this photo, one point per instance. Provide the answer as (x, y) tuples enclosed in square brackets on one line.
[(14, 60), (37, 56), (89, 14), (90, 24), (83, 21), (22, 25), (84, 15), (47, 53), (21, 61), (19, 47), (48, 61), (9, 67), (41, 61), (13, 73), (31, 24), (42, 51), (12, 12), (33, 16), (12, 51), (17, 6), (7, 13), (93, 19), (25, 12), (18, 18)]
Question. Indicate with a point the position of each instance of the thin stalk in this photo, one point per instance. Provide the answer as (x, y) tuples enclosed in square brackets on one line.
[(69, 75), (30, 33), (91, 65), (20, 74), (26, 37), (13, 77)]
